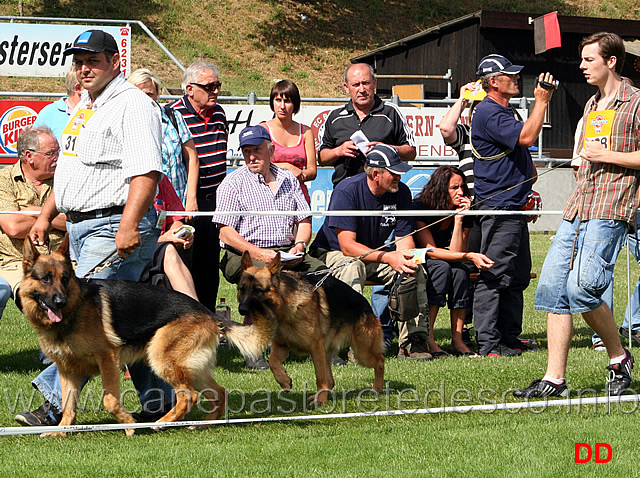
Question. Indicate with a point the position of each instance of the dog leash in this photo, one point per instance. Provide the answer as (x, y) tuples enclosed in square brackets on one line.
[(102, 265), (331, 270)]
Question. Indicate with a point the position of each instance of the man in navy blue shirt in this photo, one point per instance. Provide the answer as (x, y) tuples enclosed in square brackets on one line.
[(343, 238), (504, 174)]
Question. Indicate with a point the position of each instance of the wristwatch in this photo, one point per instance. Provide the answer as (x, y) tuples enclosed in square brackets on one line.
[(304, 244)]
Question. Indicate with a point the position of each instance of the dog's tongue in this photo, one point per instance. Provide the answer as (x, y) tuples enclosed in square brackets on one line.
[(54, 316)]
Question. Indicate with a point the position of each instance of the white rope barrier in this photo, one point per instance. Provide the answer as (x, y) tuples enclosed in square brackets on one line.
[(604, 400), (425, 213)]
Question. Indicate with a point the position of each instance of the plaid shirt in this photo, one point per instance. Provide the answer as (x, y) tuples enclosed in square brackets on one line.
[(607, 191), (244, 190), (172, 161), (120, 141)]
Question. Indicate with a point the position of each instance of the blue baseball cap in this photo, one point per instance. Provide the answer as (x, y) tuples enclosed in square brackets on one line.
[(253, 136), (385, 156), (497, 64)]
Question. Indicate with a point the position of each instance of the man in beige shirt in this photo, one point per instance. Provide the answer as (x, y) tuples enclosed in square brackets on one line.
[(25, 186)]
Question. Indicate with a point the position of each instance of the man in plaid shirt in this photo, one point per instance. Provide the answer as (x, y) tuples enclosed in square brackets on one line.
[(597, 217), (260, 186)]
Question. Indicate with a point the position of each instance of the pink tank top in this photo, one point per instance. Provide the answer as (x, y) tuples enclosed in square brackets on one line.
[(295, 155)]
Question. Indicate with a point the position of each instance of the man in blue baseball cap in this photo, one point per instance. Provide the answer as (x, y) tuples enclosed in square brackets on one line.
[(343, 238), (503, 172), (261, 186)]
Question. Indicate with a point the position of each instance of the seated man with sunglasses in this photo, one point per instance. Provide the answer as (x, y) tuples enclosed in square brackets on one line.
[(207, 123), (25, 186)]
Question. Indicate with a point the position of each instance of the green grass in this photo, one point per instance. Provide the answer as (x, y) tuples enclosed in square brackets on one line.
[(529, 442)]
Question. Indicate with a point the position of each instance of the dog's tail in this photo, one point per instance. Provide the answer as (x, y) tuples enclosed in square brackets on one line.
[(251, 340)]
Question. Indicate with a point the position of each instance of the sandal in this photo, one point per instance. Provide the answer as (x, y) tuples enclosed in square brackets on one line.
[(599, 346), (440, 354), (466, 354)]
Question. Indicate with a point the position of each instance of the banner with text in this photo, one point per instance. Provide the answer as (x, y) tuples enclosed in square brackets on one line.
[(37, 49)]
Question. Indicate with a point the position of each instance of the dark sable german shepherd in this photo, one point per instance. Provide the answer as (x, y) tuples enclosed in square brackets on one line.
[(317, 323), (94, 326)]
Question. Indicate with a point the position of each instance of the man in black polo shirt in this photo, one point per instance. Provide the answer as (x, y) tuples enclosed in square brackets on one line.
[(379, 121), (208, 125)]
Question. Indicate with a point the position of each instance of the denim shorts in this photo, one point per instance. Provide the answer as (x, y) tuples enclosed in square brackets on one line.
[(562, 290)]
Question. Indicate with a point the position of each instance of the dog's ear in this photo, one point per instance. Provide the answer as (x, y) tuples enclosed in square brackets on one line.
[(246, 260), (274, 265), (29, 255), (63, 248)]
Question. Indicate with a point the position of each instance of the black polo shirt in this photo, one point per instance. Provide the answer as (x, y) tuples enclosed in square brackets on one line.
[(210, 137), (384, 123)]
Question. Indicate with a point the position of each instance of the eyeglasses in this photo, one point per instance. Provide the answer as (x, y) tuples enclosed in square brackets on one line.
[(48, 154), (211, 87)]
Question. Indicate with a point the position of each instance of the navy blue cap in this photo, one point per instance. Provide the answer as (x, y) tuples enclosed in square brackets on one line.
[(385, 156), (253, 136), (93, 41), (497, 64)]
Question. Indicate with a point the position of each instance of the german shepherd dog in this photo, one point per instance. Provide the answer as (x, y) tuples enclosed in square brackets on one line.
[(311, 322), (95, 326)]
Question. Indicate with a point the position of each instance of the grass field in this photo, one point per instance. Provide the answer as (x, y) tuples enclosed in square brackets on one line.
[(535, 442)]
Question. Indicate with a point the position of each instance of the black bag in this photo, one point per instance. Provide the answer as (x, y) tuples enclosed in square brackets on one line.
[(403, 297)]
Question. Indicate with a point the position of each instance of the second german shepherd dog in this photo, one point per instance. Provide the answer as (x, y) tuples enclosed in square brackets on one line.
[(312, 322), (95, 326)]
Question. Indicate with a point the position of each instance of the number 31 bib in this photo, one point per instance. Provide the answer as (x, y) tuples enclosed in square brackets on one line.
[(69, 138)]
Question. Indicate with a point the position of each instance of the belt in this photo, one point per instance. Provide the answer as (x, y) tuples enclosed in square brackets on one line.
[(75, 217)]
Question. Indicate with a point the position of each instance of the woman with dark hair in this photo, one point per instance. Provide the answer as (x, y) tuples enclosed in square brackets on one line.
[(447, 275), (295, 147)]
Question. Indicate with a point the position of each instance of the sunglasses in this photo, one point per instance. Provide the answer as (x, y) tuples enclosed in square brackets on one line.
[(211, 87)]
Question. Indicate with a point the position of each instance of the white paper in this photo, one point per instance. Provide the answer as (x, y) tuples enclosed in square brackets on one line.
[(361, 141)]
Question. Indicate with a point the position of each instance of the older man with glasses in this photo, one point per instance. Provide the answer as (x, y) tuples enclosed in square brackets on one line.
[(208, 126), (25, 186)]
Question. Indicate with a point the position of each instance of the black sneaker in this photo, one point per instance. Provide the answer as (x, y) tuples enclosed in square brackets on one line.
[(414, 349), (542, 388), (501, 350), (619, 377), (45, 416), (523, 347), (634, 336), (256, 364)]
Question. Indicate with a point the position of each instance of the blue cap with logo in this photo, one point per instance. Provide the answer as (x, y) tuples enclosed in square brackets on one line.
[(385, 156), (93, 41), (253, 136), (497, 64)]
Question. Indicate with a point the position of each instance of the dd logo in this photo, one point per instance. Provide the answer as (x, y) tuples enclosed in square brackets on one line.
[(599, 458)]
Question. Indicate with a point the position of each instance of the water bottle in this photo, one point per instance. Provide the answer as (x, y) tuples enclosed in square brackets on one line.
[(223, 310)]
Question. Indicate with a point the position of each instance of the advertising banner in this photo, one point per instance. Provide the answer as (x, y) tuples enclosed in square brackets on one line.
[(28, 49), (14, 117)]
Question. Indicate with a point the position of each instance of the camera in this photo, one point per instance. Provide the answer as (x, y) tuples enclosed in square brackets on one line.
[(547, 85)]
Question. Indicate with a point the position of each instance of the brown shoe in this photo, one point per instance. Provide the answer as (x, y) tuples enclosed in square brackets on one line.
[(414, 348)]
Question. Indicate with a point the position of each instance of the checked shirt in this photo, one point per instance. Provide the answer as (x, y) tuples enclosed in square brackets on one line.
[(244, 190), (607, 191)]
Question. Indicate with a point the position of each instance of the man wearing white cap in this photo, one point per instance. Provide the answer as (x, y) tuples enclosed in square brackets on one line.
[(344, 237), (504, 174)]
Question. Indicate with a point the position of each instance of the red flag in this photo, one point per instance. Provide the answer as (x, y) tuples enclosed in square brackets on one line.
[(546, 32)]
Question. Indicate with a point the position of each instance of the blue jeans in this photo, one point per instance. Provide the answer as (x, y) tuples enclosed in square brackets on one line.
[(379, 302), (94, 240), (5, 294), (565, 290)]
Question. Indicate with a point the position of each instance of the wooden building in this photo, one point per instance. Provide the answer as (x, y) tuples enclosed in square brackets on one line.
[(461, 43)]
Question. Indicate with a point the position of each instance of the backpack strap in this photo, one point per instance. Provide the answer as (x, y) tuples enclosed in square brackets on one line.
[(495, 156)]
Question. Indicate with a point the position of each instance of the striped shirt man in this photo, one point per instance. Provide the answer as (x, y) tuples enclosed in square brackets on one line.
[(209, 134)]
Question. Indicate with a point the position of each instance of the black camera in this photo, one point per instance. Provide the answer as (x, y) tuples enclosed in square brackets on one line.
[(547, 85)]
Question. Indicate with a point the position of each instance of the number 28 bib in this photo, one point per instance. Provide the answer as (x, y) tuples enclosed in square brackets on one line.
[(69, 138)]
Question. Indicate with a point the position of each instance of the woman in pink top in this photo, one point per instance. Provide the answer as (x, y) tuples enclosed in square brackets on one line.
[(294, 143)]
